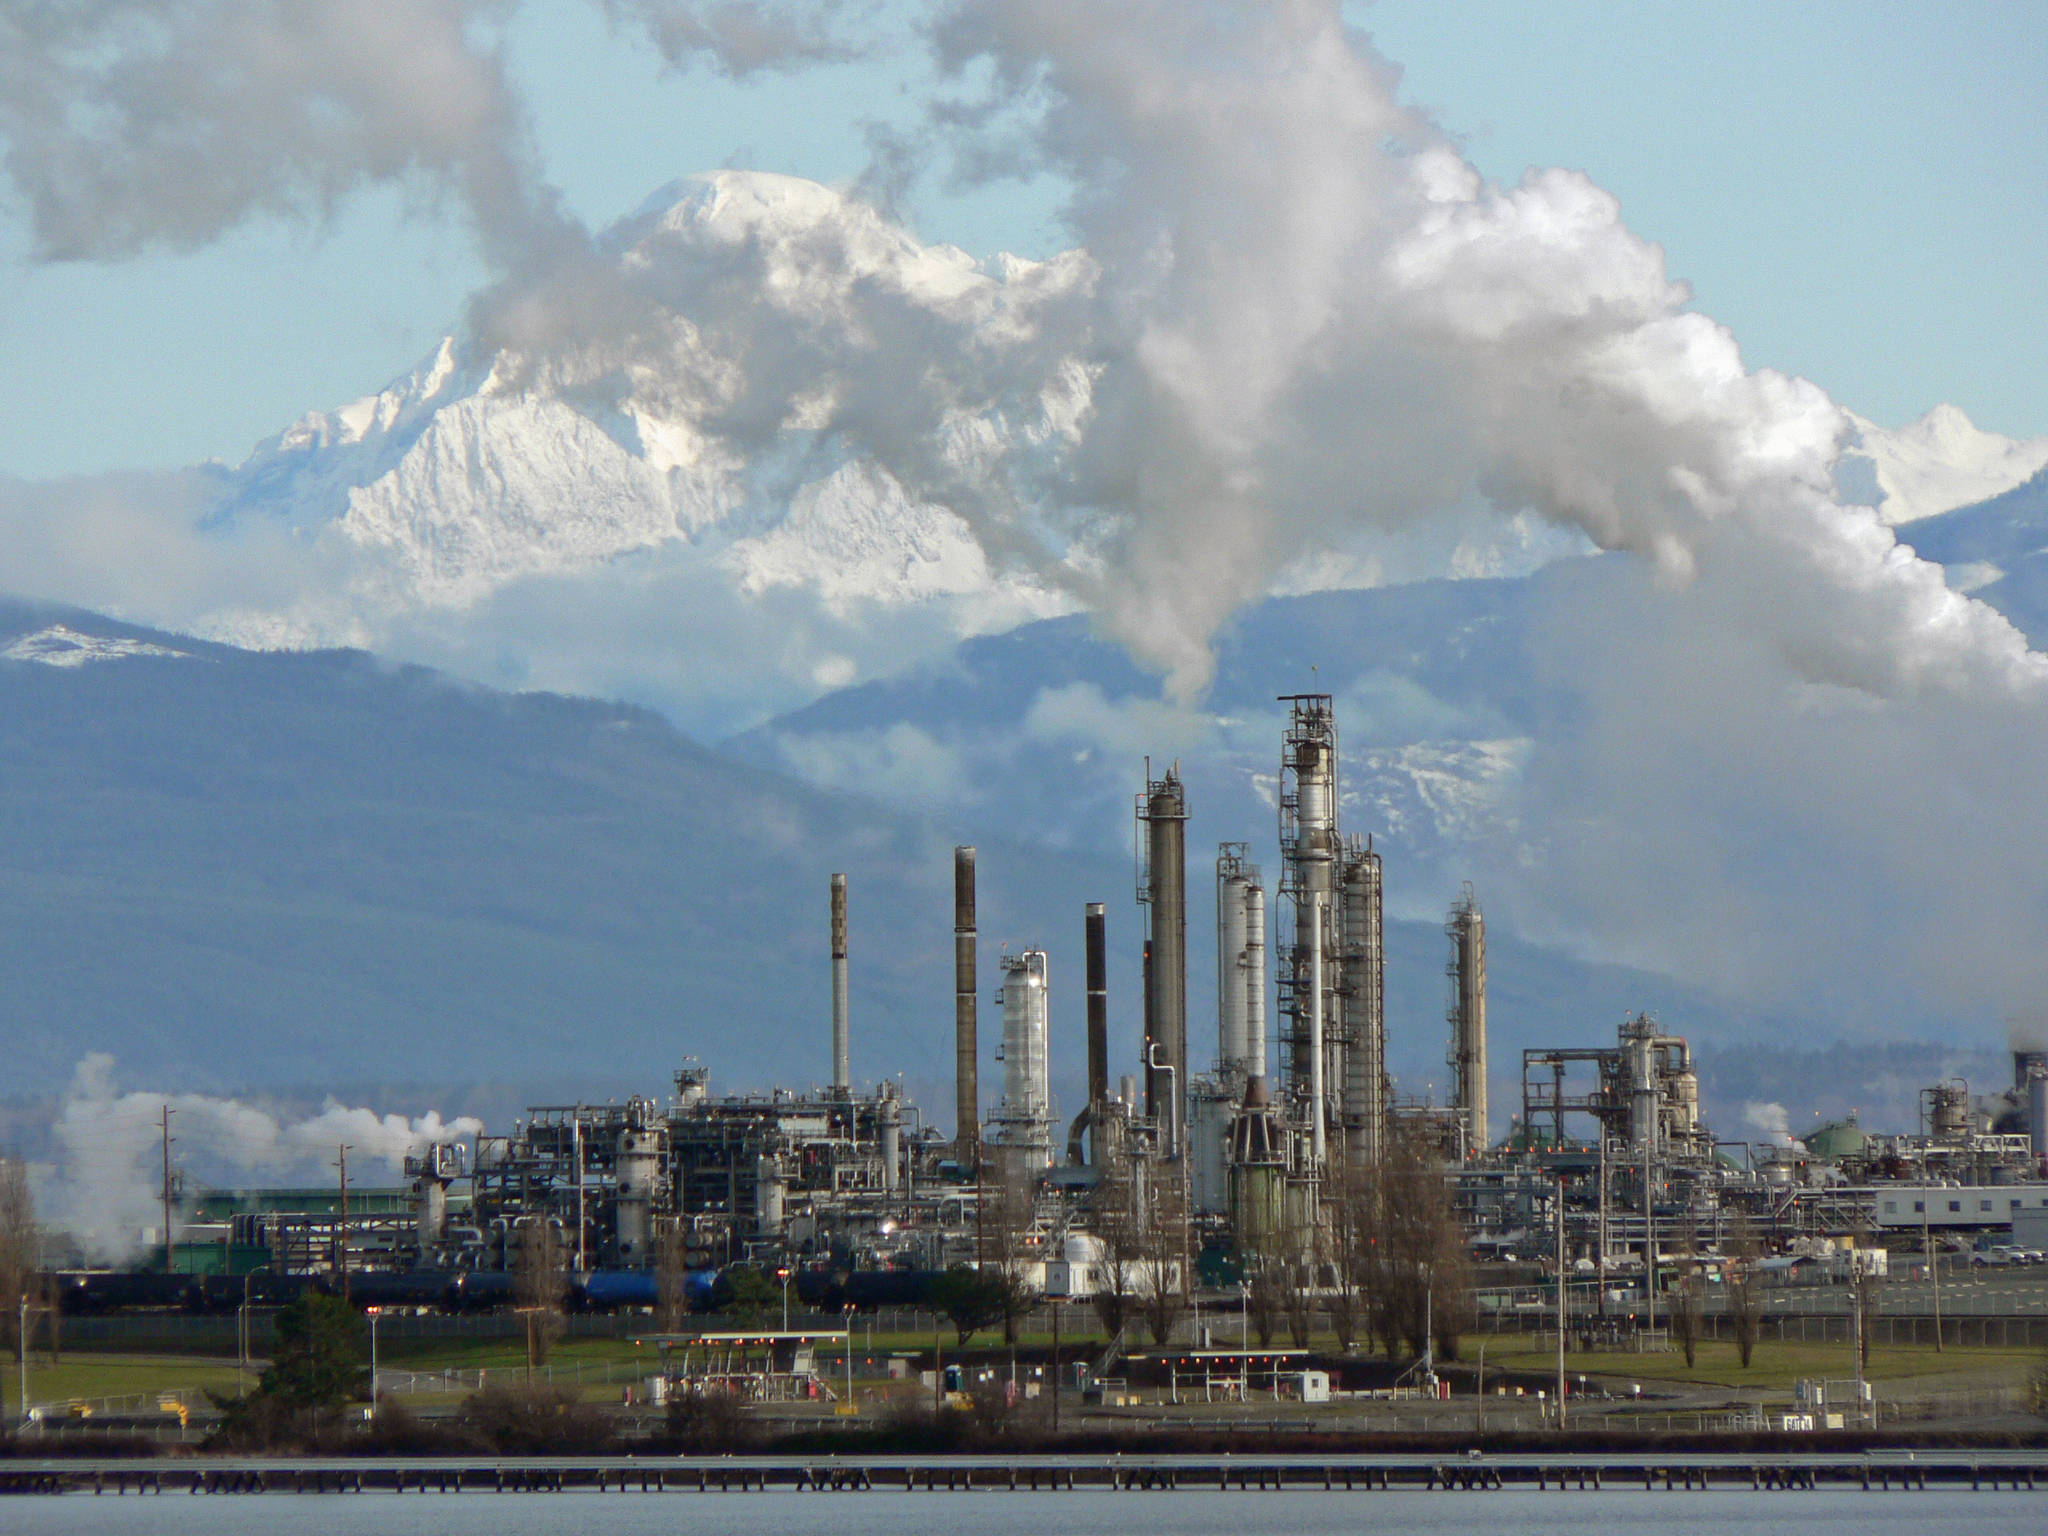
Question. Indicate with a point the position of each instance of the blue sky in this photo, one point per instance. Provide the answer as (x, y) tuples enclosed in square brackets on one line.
[(1860, 191)]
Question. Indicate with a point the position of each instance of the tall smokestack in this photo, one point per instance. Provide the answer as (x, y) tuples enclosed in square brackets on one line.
[(1467, 1014), (1098, 1018), (842, 1039), (1163, 808), (966, 1083)]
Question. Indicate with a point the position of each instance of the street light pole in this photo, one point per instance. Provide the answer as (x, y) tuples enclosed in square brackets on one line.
[(783, 1276), (849, 1357), (373, 1313), (24, 1360), (1055, 1365)]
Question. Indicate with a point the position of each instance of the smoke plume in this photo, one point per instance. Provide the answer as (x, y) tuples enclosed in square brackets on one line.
[(105, 1186), (1296, 324)]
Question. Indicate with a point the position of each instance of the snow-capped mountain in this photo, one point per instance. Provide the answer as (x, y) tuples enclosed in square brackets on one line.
[(1933, 465), (486, 466)]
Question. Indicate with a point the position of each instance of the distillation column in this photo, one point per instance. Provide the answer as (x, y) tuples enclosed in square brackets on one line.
[(1163, 811), (1467, 1015), (966, 1084), (1310, 854), (1025, 1118), (1366, 1085), (1233, 1050)]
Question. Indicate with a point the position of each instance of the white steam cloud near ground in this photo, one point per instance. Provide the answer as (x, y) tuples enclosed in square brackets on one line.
[(1295, 319), (105, 1183)]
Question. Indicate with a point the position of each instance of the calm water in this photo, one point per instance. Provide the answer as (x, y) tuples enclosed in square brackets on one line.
[(1025, 1514)]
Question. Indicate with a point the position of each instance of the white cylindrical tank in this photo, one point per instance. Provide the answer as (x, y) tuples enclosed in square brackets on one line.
[(639, 1171), (1231, 883), (1027, 1083), (1255, 980), (1642, 1083), (890, 1113), (770, 1190), (430, 1212)]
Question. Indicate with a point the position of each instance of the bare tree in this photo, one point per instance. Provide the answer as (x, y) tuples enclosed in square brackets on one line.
[(1745, 1299), (1010, 1248), (1265, 1301), (540, 1283), (1412, 1251), (1298, 1301), (1685, 1308), (1348, 1209), (1162, 1239), (20, 1250), (671, 1274), (1113, 1215)]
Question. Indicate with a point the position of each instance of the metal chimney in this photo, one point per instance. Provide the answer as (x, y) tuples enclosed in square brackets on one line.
[(842, 1040), (966, 1082), (1098, 1023)]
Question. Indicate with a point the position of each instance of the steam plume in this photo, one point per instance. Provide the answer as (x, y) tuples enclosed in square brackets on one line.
[(106, 1184)]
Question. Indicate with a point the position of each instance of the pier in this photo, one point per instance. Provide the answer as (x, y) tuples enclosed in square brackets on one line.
[(1900, 1471)]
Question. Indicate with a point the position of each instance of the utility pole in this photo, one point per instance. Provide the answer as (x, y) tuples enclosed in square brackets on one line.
[(341, 1242), (582, 1220), (170, 1258), (1560, 1302)]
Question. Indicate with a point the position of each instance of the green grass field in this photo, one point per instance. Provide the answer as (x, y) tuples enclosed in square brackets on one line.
[(1775, 1366), (85, 1377)]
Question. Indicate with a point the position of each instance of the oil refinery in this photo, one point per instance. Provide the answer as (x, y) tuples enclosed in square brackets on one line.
[(1251, 1156)]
